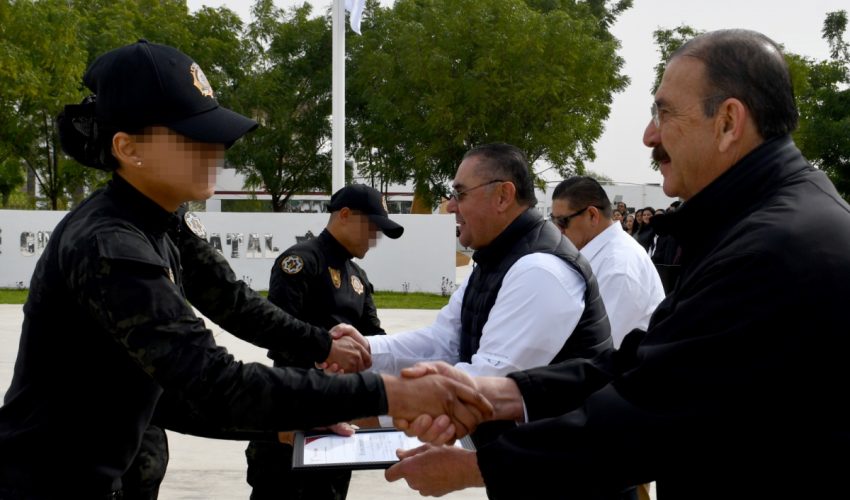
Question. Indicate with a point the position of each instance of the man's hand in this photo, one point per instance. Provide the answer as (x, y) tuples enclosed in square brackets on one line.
[(436, 470), (349, 351), (501, 392), (455, 408)]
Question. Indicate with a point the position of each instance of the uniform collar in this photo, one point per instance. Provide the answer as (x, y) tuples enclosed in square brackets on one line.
[(336, 253), (140, 209)]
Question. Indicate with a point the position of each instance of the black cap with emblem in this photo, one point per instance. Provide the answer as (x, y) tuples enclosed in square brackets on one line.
[(369, 201), (146, 84)]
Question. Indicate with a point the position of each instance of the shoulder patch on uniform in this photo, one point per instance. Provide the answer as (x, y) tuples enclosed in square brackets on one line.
[(357, 285), (193, 222), (292, 264), (336, 278)]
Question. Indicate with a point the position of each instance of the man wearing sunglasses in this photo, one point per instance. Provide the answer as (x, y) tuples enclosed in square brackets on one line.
[(628, 282), (531, 299)]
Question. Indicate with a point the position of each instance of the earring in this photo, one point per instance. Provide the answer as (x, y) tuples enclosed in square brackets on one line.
[(138, 163)]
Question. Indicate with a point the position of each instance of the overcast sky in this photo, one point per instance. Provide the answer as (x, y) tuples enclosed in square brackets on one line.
[(620, 153)]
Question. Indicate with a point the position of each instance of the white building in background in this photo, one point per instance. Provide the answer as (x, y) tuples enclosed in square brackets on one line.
[(229, 186)]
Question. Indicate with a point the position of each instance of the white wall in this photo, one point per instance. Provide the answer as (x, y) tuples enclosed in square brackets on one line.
[(422, 257)]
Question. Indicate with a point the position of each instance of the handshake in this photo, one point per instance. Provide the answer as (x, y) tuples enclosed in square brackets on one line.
[(433, 401), (436, 403)]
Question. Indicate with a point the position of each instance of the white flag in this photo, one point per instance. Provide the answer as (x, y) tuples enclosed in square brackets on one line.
[(355, 9)]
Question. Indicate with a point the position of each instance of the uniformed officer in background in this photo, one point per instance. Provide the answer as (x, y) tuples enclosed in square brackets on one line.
[(318, 282), (107, 327)]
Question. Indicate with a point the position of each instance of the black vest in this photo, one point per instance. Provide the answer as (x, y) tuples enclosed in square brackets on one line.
[(528, 234)]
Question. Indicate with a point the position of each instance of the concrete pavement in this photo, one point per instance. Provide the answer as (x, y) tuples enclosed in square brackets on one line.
[(208, 469)]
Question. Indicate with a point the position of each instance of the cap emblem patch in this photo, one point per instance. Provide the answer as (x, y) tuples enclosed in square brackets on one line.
[(200, 81), (292, 264), (357, 285)]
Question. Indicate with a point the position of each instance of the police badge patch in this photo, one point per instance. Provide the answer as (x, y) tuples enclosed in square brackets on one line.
[(335, 277), (193, 222), (292, 264), (199, 79), (357, 285)]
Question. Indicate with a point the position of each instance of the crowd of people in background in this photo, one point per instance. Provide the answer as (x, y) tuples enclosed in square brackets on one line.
[(662, 249)]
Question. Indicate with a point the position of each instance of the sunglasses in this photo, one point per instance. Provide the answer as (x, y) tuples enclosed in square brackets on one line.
[(563, 222)]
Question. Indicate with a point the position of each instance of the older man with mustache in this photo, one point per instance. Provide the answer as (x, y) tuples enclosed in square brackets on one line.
[(734, 391)]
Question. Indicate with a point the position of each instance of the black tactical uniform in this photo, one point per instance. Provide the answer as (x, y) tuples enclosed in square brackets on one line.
[(317, 282), (108, 329), (212, 287)]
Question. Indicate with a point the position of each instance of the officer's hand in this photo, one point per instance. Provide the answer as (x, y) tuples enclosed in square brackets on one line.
[(425, 427), (346, 330), (502, 392), (444, 400), (348, 353)]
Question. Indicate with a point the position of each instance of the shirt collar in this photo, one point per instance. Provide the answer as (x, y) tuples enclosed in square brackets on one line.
[(595, 245), (139, 209)]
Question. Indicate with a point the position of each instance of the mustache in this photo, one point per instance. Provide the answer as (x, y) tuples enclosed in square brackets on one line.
[(659, 154)]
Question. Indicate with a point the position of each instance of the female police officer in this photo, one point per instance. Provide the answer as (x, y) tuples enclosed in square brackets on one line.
[(107, 328)]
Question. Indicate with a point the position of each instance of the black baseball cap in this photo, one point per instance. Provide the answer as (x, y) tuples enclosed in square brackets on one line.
[(369, 201), (146, 84)]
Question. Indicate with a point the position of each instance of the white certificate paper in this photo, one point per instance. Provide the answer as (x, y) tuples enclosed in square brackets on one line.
[(366, 449)]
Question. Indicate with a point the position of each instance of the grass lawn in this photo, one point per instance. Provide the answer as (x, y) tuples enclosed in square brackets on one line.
[(383, 300), (13, 296)]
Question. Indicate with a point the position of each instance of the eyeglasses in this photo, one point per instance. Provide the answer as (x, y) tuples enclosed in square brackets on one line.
[(458, 195), (563, 222), (655, 112)]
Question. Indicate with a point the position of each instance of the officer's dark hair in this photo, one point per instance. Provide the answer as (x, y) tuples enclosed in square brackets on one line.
[(85, 138), (509, 163), (582, 191), (750, 67)]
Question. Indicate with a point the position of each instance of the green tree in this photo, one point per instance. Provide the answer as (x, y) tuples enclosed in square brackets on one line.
[(45, 46), (11, 178), (823, 97), (40, 43), (669, 41), (431, 78), (288, 90)]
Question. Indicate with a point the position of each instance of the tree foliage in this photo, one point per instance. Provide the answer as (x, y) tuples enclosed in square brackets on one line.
[(289, 92), (47, 70), (45, 46), (668, 41), (11, 176), (431, 78), (823, 97)]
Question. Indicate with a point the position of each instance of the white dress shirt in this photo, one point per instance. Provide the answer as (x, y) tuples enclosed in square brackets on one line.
[(628, 282), (536, 310)]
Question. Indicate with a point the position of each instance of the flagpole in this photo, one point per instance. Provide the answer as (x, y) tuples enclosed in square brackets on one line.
[(338, 97)]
